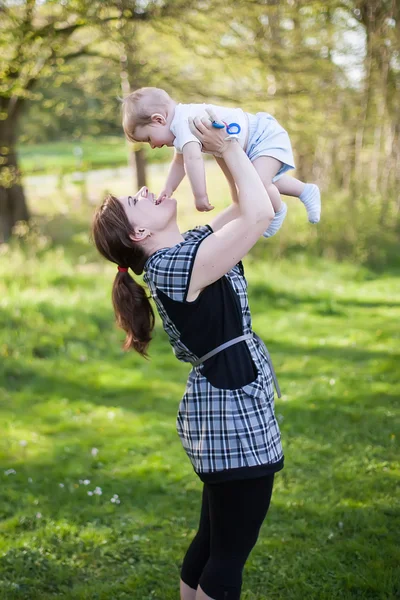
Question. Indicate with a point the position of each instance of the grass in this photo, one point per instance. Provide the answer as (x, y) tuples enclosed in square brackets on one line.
[(93, 153), (78, 415)]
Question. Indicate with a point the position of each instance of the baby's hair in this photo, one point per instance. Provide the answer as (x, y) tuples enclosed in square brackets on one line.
[(138, 107)]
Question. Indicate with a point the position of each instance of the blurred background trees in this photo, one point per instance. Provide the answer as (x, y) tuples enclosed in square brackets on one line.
[(329, 71)]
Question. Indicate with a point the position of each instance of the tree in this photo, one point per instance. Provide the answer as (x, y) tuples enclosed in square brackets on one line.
[(156, 54), (77, 100), (36, 37)]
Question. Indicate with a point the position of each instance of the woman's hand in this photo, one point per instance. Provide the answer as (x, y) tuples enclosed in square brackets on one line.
[(212, 139)]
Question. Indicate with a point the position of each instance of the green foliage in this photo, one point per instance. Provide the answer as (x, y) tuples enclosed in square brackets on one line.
[(79, 99), (328, 71)]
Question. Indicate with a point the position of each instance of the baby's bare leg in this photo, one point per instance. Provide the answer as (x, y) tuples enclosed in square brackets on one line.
[(308, 193), (267, 167), (290, 186)]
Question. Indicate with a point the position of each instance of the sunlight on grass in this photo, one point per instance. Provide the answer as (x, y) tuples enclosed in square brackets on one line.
[(84, 425)]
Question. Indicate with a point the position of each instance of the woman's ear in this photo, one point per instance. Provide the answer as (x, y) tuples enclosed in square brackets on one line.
[(158, 118), (139, 234)]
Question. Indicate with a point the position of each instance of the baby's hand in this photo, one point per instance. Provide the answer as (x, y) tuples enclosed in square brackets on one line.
[(165, 193), (203, 204)]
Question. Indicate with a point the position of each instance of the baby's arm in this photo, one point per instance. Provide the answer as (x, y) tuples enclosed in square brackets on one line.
[(175, 175), (232, 185), (195, 170)]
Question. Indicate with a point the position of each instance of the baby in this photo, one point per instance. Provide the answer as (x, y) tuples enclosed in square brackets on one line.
[(150, 115)]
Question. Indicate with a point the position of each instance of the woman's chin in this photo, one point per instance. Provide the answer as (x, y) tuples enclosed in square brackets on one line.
[(166, 200), (171, 200), (174, 207)]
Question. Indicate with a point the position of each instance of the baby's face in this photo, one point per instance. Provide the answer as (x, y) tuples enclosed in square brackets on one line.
[(155, 134)]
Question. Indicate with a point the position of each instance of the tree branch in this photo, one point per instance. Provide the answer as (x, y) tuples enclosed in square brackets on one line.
[(84, 52), (70, 29)]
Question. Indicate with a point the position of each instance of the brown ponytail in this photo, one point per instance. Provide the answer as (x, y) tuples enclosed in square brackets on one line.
[(133, 311)]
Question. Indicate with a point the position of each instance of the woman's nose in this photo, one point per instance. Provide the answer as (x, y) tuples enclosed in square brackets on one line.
[(144, 192)]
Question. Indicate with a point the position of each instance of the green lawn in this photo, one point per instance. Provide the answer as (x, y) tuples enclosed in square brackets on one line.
[(97, 153), (82, 422)]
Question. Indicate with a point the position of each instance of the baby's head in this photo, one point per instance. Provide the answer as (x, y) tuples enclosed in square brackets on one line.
[(146, 117)]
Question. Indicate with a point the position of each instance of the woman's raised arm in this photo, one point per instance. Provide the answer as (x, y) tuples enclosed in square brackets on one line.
[(222, 250)]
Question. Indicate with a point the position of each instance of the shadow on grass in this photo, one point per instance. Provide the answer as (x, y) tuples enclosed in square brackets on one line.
[(136, 398), (265, 291), (341, 354), (78, 539), (30, 573), (146, 391)]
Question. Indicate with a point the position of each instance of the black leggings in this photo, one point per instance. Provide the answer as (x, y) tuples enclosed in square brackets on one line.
[(231, 516)]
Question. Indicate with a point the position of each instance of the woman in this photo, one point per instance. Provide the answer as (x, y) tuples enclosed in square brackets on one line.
[(226, 418)]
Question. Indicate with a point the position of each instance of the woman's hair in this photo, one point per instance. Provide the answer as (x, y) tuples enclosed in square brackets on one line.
[(133, 311), (138, 107)]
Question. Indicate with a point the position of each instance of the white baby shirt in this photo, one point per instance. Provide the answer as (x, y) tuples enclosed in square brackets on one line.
[(180, 125)]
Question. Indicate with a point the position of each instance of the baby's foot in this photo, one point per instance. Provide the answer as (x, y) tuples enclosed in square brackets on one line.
[(311, 198), (276, 222)]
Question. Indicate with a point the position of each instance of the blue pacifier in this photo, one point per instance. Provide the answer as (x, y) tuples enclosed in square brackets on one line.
[(231, 129)]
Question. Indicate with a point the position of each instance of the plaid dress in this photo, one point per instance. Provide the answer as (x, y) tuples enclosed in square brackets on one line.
[(226, 433)]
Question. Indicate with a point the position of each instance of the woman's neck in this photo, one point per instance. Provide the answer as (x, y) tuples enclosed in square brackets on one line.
[(164, 239)]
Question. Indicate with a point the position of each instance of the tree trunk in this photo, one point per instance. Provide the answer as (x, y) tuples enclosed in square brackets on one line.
[(140, 165), (127, 74), (13, 206)]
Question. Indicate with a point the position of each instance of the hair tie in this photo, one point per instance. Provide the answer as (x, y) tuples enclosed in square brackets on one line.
[(123, 269)]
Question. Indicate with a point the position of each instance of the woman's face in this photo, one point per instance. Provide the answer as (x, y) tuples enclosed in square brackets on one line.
[(143, 211)]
